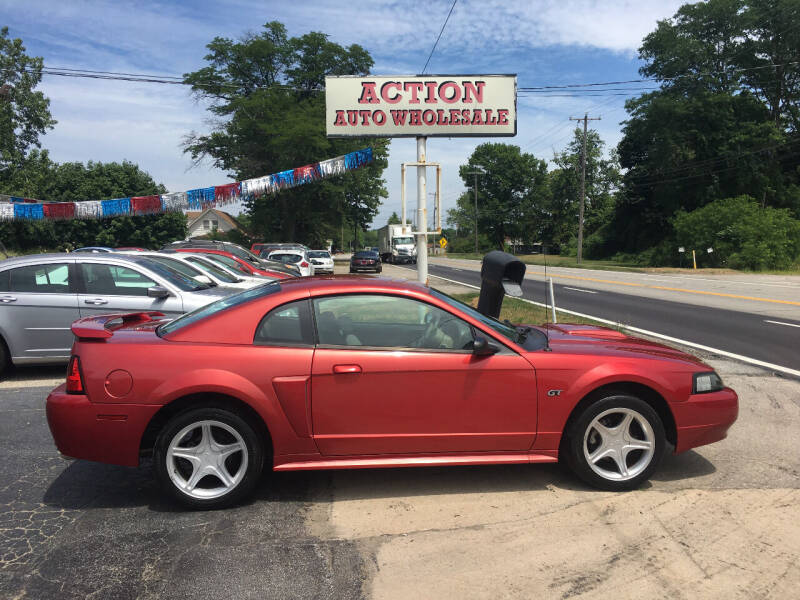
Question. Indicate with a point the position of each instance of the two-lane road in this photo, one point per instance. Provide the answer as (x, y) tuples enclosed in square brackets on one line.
[(768, 339)]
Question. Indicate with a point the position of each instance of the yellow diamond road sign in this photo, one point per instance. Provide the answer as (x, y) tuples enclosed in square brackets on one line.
[(442, 242)]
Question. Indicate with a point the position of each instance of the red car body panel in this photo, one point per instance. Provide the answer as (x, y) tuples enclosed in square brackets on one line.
[(243, 264), (350, 407)]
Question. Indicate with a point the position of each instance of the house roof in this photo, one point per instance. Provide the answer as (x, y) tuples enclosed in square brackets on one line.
[(193, 216)]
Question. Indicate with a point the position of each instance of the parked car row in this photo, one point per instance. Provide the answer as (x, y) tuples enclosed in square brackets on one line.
[(43, 294)]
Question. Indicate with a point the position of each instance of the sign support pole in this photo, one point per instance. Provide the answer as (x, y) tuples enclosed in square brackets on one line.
[(422, 213)]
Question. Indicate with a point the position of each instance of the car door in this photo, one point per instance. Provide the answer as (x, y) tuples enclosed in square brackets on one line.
[(39, 302), (394, 375), (109, 288)]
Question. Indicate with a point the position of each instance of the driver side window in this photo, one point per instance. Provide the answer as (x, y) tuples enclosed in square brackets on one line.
[(388, 322)]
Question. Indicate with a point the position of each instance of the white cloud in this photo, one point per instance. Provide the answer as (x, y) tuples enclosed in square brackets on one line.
[(105, 120)]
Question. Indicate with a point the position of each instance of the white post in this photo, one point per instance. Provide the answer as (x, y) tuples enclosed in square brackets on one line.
[(422, 214), (552, 299)]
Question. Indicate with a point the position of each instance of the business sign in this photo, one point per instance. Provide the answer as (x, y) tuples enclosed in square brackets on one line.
[(421, 105)]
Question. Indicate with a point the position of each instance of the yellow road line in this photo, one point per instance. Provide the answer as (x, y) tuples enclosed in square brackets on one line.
[(672, 289)]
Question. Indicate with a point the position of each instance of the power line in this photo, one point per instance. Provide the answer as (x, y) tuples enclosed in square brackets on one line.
[(645, 79), (574, 89), (708, 162), (439, 36)]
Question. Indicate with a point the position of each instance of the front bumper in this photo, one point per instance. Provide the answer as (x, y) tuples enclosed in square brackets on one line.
[(705, 418), (108, 433)]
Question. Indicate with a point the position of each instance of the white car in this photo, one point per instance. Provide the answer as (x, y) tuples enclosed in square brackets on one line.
[(296, 257), (322, 261)]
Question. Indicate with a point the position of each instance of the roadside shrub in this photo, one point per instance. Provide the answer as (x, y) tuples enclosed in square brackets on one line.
[(742, 234), (466, 244)]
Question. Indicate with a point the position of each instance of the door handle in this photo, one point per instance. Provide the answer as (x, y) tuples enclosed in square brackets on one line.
[(95, 301), (8, 299), (347, 369)]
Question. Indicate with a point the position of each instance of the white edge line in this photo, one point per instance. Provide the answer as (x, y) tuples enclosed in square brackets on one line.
[(781, 323), (579, 290), (746, 359)]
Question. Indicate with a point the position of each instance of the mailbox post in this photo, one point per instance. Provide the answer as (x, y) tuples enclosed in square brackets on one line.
[(501, 274)]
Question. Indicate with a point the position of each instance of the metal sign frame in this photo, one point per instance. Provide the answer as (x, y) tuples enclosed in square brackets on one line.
[(437, 200)]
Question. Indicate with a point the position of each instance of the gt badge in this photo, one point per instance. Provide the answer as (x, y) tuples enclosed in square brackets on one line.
[(554, 392)]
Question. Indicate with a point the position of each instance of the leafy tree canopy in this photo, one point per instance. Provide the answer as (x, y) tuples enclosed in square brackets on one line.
[(723, 123), (393, 219), (512, 194), (560, 224), (73, 182), (24, 113), (742, 234), (266, 92)]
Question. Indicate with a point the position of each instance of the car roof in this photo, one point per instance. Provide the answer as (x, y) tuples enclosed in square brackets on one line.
[(345, 283)]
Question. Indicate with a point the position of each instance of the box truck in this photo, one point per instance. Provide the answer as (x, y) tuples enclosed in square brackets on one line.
[(396, 244)]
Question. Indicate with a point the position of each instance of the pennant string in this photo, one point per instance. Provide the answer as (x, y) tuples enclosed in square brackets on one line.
[(13, 208)]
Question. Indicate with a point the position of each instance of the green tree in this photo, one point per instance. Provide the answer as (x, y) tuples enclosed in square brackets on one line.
[(512, 195), (742, 234), (722, 124), (393, 219), (560, 226), (266, 92), (74, 182), (24, 113)]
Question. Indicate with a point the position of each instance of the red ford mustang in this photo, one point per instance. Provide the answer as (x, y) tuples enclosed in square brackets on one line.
[(354, 372)]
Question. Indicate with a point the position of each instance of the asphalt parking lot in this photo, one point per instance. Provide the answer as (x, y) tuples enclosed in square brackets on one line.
[(721, 521)]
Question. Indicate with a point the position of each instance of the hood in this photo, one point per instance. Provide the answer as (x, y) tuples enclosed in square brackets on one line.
[(570, 338)]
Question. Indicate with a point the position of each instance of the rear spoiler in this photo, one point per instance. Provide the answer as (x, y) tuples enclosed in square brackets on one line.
[(98, 327)]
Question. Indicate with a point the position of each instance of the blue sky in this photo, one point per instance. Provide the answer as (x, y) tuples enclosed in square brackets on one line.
[(545, 42)]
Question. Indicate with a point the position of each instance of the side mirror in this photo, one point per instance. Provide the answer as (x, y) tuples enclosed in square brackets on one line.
[(158, 291), (483, 347)]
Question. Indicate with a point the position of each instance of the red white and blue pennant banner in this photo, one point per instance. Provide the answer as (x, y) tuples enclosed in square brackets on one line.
[(14, 208)]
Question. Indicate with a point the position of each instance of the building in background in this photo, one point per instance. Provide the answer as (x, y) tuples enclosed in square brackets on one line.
[(203, 222)]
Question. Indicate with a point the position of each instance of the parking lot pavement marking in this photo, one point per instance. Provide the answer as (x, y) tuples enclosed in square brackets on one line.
[(580, 290), (781, 323)]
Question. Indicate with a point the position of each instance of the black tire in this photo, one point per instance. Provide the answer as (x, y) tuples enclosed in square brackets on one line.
[(379, 269), (250, 475), (607, 473), (352, 271)]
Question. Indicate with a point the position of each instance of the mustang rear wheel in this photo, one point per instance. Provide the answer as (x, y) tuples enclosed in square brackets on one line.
[(616, 443), (208, 458)]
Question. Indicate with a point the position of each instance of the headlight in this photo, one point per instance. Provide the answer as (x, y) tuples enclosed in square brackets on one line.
[(706, 382)]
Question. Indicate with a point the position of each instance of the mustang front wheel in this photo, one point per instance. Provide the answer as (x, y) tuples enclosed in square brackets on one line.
[(208, 458), (616, 443)]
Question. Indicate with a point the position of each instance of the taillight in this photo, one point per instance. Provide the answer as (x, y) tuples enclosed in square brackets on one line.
[(74, 377), (304, 264)]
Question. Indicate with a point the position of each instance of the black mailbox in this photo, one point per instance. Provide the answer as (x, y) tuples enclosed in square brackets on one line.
[(501, 274)]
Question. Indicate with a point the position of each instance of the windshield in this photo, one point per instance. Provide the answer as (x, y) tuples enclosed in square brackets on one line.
[(220, 305), (179, 266), (216, 271), (403, 240), (183, 282), (318, 254), (240, 252), (228, 262), (286, 258)]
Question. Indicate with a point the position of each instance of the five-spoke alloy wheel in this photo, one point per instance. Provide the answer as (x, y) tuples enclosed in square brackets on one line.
[(616, 443), (208, 457)]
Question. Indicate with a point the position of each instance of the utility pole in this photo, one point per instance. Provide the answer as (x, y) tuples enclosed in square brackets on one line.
[(585, 120), (476, 173)]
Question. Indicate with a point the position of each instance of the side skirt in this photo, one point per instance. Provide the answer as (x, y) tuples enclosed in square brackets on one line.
[(430, 460)]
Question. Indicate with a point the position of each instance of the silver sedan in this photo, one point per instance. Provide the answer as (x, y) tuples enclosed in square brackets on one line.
[(41, 295)]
